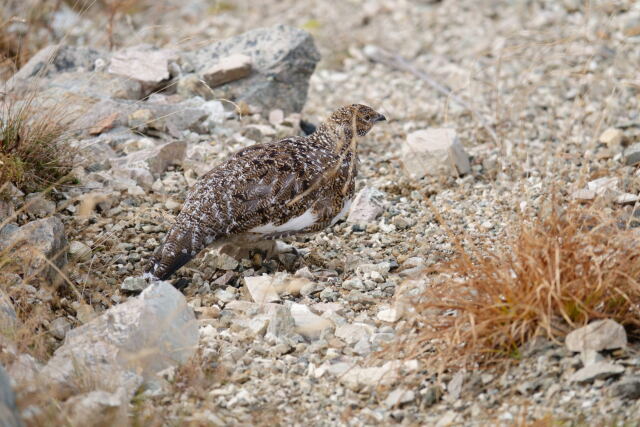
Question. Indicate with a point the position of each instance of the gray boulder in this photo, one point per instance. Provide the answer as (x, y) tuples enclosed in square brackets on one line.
[(282, 57), (128, 344)]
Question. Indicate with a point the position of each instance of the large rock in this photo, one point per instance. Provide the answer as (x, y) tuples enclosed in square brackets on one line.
[(283, 58), (130, 343), (38, 248), (435, 151), (9, 413), (599, 335)]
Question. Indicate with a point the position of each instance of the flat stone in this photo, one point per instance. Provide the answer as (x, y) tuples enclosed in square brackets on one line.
[(357, 378), (596, 371), (227, 69), (599, 335), (626, 199), (134, 284), (261, 289), (367, 206), (434, 151), (351, 333), (583, 194), (390, 315), (398, 397), (144, 63)]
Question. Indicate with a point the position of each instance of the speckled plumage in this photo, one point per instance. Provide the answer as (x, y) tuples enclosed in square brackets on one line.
[(267, 191)]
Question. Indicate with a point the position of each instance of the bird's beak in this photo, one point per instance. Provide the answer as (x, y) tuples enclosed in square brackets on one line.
[(379, 118)]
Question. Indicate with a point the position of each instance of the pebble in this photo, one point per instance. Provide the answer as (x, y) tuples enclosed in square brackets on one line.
[(134, 284), (59, 327)]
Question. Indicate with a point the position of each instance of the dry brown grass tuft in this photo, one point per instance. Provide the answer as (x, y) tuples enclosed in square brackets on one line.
[(34, 149), (559, 272)]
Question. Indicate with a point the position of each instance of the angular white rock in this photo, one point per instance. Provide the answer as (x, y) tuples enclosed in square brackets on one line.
[(398, 397), (434, 151), (611, 137), (367, 206), (308, 324), (357, 378), (600, 335), (354, 332), (143, 63), (261, 289), (390, 315)]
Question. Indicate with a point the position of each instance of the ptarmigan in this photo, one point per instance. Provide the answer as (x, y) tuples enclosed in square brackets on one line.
[(272, 190)]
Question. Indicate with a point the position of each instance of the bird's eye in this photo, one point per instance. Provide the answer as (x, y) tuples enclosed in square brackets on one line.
[(367, 117)]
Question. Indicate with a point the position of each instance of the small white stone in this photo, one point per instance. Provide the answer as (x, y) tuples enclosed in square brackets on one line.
[(390, 315), (398, 397), (434, 151), (261, 289), (611, 137)]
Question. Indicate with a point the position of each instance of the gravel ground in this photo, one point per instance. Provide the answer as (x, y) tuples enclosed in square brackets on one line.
[(549, 77)]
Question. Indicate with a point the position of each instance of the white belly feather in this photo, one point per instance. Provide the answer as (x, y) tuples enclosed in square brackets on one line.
[(307, 219)]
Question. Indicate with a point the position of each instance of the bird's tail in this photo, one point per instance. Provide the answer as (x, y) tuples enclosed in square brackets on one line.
[(178, 248)]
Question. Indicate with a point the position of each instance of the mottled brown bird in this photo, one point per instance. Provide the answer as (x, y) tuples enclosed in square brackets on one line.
[(269, 191)]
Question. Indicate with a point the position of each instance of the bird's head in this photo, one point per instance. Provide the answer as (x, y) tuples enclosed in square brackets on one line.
[(357, 116)]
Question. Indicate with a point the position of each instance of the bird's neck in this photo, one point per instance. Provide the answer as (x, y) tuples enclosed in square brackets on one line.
[(335, 136)]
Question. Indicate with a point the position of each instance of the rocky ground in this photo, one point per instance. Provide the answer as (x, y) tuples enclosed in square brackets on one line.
[(542, 97)]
